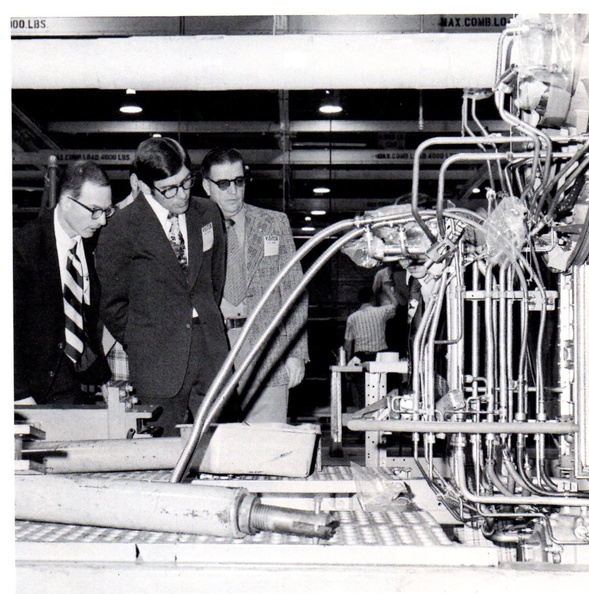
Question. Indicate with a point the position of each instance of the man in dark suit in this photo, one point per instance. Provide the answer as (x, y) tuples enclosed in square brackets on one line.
[(56, 340), (162, 279), (263, 246)]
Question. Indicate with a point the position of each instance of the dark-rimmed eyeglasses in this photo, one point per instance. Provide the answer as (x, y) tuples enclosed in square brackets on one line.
[(96, 213), (172, 191), (223, 184)]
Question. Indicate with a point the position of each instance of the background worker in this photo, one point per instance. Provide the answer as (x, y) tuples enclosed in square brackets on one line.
[(57, 345), (162, 268), (365, 336), (259, 245)]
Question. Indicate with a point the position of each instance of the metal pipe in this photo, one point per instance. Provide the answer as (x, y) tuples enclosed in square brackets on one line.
[(540, 398), (456, 325), (560, 175), (458, 157), (489, 343), (429, 347), (509, 465), (131, 505), (106, 455), (521, 374), (503, 500), (512, 120), (452, 142), (418, 343), (495, 481), (396, 426), (213, 401), (215, 397), (485, 132), (160, 507), (475, 345), (502, 342), (509, 345), (290, 62)]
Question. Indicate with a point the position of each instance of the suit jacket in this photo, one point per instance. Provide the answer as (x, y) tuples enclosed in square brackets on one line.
[(263, 264), (39, 319), (147, 299)]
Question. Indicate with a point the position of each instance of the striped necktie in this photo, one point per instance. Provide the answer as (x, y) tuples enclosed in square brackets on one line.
[(177, 240), (73, 297), (235, 283)]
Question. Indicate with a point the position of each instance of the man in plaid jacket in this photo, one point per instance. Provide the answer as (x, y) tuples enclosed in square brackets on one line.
[(266, 244)]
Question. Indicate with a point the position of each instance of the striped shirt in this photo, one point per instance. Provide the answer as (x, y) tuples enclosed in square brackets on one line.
[(367, 326)]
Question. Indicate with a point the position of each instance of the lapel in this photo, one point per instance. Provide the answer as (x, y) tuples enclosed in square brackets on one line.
[(194, 242), (154, 237), (49, 261), (256, 228)]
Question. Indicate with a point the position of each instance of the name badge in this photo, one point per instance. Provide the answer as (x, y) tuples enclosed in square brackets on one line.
[(271, 245), (207, 237)]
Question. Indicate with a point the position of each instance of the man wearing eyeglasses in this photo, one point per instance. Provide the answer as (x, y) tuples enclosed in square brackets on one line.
[(56, 338), (261, 247), (161, 262)]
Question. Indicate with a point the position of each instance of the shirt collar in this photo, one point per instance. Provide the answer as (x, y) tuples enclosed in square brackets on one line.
[(160, 211), (239, 218)]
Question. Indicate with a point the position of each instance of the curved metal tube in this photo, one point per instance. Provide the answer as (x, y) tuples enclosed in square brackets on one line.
[(452, 142), (503, 500), (212, 404)]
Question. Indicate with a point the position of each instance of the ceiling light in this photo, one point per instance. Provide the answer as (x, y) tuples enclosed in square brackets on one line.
[(319, 213), (330, 103), (309, 229), (476, 190), (321, 190), (308, 219), (130, 104), (156, 135)]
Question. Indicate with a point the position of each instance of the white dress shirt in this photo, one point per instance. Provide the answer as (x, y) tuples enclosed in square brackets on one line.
[(64, 244), (162, 214)]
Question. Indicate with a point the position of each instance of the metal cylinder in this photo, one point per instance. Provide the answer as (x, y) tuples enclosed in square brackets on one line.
[(214, 62), (291, 521), (106, 455), (458, 427), (133, 505)]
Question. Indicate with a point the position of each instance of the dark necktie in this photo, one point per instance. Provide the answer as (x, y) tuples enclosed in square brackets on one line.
[(73, 296), (177, 241), (235, 283)]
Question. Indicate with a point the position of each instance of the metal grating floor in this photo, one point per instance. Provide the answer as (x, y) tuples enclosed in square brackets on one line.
[(415, 528), (402, 524)]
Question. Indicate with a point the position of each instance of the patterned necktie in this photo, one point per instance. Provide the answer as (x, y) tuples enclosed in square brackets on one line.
[(73, 296), (177, 241), (235, 285)]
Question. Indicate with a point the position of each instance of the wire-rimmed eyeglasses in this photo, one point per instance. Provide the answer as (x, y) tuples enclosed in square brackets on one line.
[(96, 213)]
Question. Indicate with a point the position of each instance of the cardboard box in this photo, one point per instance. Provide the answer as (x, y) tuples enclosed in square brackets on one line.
[(274, 449)]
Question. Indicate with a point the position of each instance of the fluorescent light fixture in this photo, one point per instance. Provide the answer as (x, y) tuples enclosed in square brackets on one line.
[(130, 105), (308, 219), (476, 190), (321, 190), (308, 229), (318, 213)]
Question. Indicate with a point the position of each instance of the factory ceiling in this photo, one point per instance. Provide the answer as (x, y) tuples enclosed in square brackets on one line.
[(363, 154)]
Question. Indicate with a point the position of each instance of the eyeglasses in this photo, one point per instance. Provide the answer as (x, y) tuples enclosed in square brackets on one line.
[(96, 213), (171, 191), (223, 184)]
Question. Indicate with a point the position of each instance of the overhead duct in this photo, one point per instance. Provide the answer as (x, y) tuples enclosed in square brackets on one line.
[(249, 62)]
